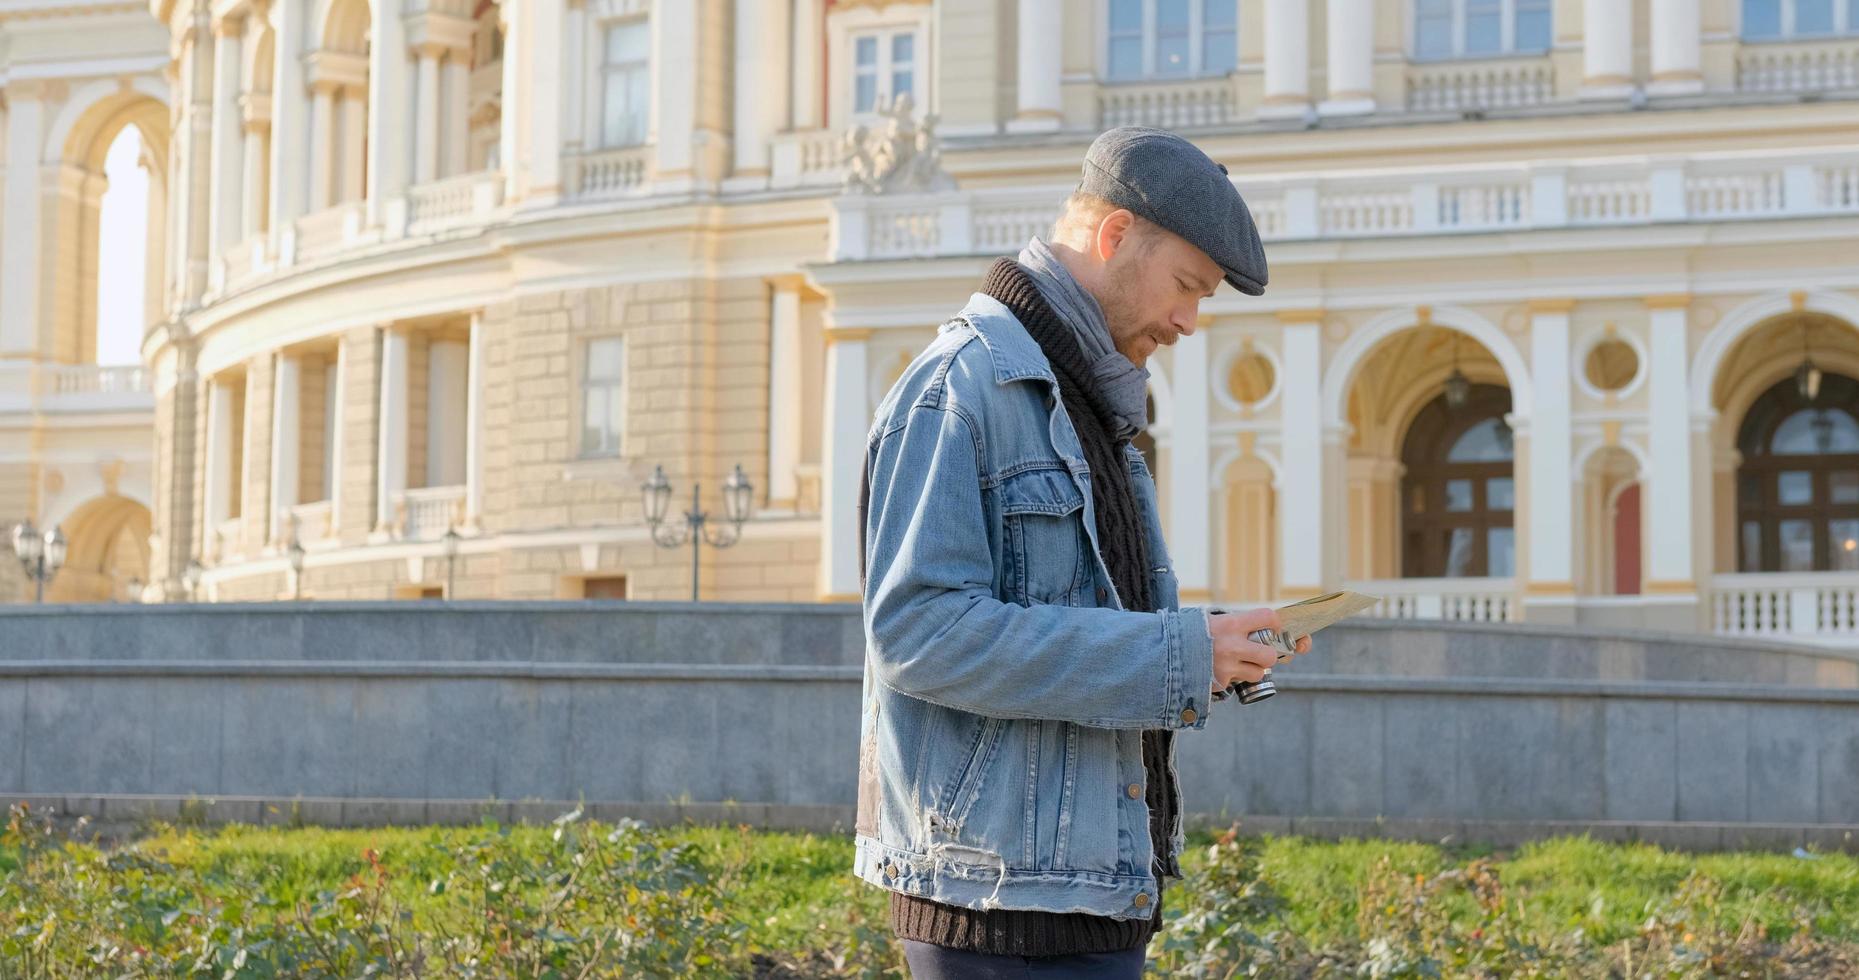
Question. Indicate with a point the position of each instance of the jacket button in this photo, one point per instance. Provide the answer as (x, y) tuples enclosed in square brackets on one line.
[(1142, 900), (1188, 716), (1135, 790)]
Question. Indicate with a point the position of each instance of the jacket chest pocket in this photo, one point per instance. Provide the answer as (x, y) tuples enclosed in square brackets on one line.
[(1047, 548)]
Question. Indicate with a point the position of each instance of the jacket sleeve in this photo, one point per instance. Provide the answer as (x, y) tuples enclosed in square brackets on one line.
[(935, 630)]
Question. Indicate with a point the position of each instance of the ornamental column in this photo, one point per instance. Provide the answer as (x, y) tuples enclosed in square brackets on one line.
[(21, 247), (843, 454), (808, 71), (1287, 59), (1189, 488), (1042, 26), (1607, 49), (228, 139), (786, 400), (761, 106), (426, 114), (1676, 38), (1351, 58), (391, 465), (1669, 430), (285, 445), (1300, 488), (1550, 544)]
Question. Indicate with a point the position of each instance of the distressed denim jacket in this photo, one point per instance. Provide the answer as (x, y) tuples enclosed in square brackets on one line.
[(1006, 689)]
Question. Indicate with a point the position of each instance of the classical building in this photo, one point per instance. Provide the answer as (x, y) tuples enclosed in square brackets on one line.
[(1561, 324)]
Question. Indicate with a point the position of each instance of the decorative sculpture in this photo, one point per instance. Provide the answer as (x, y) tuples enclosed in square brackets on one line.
[(905, 158)]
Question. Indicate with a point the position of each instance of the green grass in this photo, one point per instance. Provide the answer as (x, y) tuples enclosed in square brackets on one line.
[(795, 901), (785, 886)]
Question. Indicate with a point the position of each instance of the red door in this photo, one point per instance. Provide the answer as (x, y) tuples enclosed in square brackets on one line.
[(1627, 541)]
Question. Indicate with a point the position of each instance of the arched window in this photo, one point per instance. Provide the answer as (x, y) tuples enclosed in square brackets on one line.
[(1458, 491), (1445, 29), (1797, 490)]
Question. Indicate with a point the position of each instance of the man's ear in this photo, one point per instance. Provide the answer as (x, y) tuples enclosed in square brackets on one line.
[(1113, 232)]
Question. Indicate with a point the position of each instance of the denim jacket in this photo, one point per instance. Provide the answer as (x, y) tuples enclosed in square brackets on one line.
[(1006, 689)]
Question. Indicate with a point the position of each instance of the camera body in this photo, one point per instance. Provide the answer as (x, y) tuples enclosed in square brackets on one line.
[(1253, 692)]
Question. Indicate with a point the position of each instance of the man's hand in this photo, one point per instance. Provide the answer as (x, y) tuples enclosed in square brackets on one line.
[(1237, 658)]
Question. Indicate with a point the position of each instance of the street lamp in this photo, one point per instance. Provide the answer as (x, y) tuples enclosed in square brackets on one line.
[(450, 544), (738, 500), (41, 555)]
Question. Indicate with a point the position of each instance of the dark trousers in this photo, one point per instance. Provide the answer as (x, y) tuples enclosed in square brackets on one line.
[(929, 962)]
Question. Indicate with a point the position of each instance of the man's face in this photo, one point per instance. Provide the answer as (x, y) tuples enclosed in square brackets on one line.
[(1151, 290)]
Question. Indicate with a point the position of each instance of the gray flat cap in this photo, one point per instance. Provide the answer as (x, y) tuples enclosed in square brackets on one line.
[(1168, 180)]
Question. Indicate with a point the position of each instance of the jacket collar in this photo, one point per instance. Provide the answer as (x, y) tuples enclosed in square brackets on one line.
[(1016, 355)]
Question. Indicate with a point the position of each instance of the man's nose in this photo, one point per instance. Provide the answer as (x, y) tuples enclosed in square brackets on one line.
[(1185, 320)]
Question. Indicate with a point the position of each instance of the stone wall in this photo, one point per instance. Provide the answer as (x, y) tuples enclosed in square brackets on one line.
[(407, 712)]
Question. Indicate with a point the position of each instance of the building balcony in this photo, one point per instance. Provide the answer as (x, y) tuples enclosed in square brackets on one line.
[(1814, 607), (454, 202), (597, 174), (1379, 204), (1470, 600), (325, 233), (807, 158), (1184, 104), (73, 389), (1484, 83), (426, 513), (1830, 64), (312, 521)]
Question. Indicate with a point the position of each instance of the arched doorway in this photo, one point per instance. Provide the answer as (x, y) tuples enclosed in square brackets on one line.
[(1797, 487), (1458, 494), (108, 555)]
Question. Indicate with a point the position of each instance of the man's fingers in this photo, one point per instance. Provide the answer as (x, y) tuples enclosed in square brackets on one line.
[(1253, 620), (1250, 673), (1258, 655)]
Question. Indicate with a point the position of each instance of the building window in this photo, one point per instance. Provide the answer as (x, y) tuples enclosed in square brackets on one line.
[(884, 66), (1446, 29), (1797, 489), (602, 397), (1459, 493), (626, 84), (1770, 20), (1171, 38)]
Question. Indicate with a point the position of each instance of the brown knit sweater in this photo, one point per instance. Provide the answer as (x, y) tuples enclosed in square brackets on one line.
[(1121, 538)]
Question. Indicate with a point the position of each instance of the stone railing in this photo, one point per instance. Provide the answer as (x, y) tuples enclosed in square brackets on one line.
[(1812, 606), (1168, 105), (1361, 204), (328, 231), (806, 158), (453, 202), (74, 388), (1798, 66), (243, 263), (608, 173), (1469, 600), (426, 513), (312, 521), (1499, 83)]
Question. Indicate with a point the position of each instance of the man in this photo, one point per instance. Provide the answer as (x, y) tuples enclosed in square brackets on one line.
[(1027, 662)]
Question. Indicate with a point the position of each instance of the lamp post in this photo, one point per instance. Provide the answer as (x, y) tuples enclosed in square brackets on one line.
[(295, 553), (190, 579), (738, 500), (450, 544), (41, 555)]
